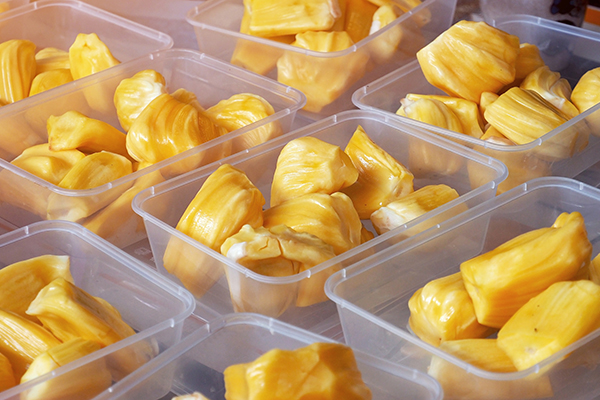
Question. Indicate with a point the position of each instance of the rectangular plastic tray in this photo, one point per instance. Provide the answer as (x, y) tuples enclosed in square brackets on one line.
[(162, 205), (372, 296), (569, 50), (198, 361), (153, 306), (27, 198), (217, 27)]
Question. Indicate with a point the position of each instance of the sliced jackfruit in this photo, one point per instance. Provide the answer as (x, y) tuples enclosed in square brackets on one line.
[(431, 111), (7, 377), (586, 92), (51, 58), (383, 48), (49, 80), (470, 58), (310, 165), (17, 69), (52, 166), (88, 55), (358, 16), (381, 178), (551, 87)]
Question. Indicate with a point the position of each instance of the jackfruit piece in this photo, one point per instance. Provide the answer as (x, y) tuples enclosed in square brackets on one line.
[(594, 274), (358, 16), (289, 17), (52, 166), (553, 88), (167, 127), (383, 48), (133, 94), (309, 165), (241, 110), (22, 340), (366, 235), (88, 55), (277, 251), (257, 57), (467, 111), (504, 279), (117, 222), (430, 111), (484, 354), (49, 80), (17, 69), (560, 315), (92, 171), (493, 135), (485, 100), (85, 382), (21, 281), (187, 97), (226, 201), (73, 130), (586, 92), (381, 178), (332, 218), (411, 206), (470, 58), (7, 378), (528, 60), (442, 310), (50, 59), (325, 371), (322, 79)]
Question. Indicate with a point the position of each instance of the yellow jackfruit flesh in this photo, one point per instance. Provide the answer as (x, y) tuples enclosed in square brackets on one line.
[(21, 281), (528, 60), (7, 377), (358, 16), (95, 170), (470, 58), (586, 92), (289, 17), (241, 110), (382, 48), (594, 274), (551, 87), (442, 310), (381, 178), (560, 315), (467, 112), (52, 166), (88, 55), (431, 111), (310, 165), (49, 80), (167, 127), (322, 80), (505, 278), (17, 69), (22, 340), (524, 116), (324, 371), (411, 206), (133, 94), (51, 58), (226, 201), (332, 218), (85, 382), (493, 135), (73, 130)]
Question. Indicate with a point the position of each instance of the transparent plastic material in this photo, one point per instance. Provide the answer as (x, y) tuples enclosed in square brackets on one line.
[(372, 296), (198, 361), (11, 4), (569, 50), (56, 23), (217, 27), (27, 198), (210, 275), (153, 306)]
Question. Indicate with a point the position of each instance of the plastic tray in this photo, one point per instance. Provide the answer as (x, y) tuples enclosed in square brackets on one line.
[(569, 50), (56, 23), (198, 361), (11, 4), (27, 198), (153, 306), (372, 296), (217, 25), (162, 205)]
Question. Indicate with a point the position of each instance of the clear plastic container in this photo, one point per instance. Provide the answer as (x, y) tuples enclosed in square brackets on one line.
[(569, 50), (56, 23), (153, 306), (198, 361), (210, 275), (217, 27), (27, 198), (372, 296), (11, 4)]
